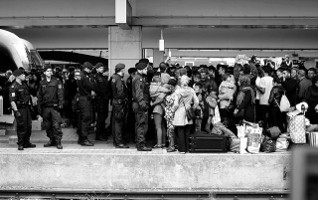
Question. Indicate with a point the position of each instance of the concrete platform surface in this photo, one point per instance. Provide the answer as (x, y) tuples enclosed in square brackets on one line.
[(127, 170)]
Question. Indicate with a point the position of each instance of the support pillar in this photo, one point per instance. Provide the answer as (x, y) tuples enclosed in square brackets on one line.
[(158, 57), (124, 46)]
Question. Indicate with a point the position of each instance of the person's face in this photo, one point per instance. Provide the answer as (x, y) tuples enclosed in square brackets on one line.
[(100, 69), (293, 73), (197, 89), (211, 73), (203, 76), (279, 74), (77, 76), (286, 75), (311, 74), (48, 72), (22, 77), (221, 71), (196, 78)]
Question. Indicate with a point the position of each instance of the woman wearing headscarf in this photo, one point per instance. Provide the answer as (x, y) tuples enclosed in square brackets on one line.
[(245, 101), (311, 97), (185, 98)]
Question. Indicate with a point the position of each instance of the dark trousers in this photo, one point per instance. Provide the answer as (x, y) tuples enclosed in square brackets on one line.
[(141, 126), (52, 122), (278, 118), (102, 114), (86, 116), (130, 125), (118, 121), (24, 126), (183, 137), (263, 114)]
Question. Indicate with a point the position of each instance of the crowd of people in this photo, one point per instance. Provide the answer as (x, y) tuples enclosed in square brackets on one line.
[(156, 100)]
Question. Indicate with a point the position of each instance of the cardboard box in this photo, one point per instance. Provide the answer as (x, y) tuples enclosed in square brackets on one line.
[(36, 125)]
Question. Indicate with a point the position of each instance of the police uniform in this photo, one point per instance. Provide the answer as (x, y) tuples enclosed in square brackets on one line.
[(102, 100), (119, 91), (50, 101), (19, 93), (85, 87), (141, 102)]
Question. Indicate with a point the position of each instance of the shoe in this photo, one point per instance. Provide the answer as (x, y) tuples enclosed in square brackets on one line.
[(51, 143), (87, 143), (122, 146), (144, 148), (29, 145), (170, 149), (158, 146), (20, 148), (59, 145)]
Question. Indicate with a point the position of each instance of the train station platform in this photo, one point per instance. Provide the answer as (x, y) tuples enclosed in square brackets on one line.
[(103, 168)]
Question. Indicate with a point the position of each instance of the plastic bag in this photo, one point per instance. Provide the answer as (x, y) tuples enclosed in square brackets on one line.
[(268, 145), (255, 137), (238, 145), (282, 144), (284, 104)]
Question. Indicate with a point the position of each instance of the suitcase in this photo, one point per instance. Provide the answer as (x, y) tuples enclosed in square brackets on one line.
[(208, 143)]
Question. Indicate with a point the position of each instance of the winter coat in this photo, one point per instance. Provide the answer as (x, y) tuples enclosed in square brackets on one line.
[(185, 98), (226, 93)]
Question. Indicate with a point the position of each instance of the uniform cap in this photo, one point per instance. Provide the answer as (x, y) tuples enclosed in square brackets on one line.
[(18, 72), (87, 65), (141, 66), (98, 65), (132, 70), (119, 66)]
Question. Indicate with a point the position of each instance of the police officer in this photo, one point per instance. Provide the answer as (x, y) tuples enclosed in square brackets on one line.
[(141, 100), (86, 91), (50, 102), (102, 100), (119, 91), (20, 102)]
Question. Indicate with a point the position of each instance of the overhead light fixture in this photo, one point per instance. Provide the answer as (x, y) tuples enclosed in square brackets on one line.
[(161, 42)]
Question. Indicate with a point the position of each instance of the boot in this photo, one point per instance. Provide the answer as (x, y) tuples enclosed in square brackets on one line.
[(58, 144), (20, 147), (51, 143), (86, 142), (144, 148)]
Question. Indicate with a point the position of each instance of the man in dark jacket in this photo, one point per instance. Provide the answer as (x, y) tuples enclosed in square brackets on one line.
[(290, 86), (102, 100), (86, 87), (303, 84), (19, 98), (119, 91), (50, 102), (141, 102)]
